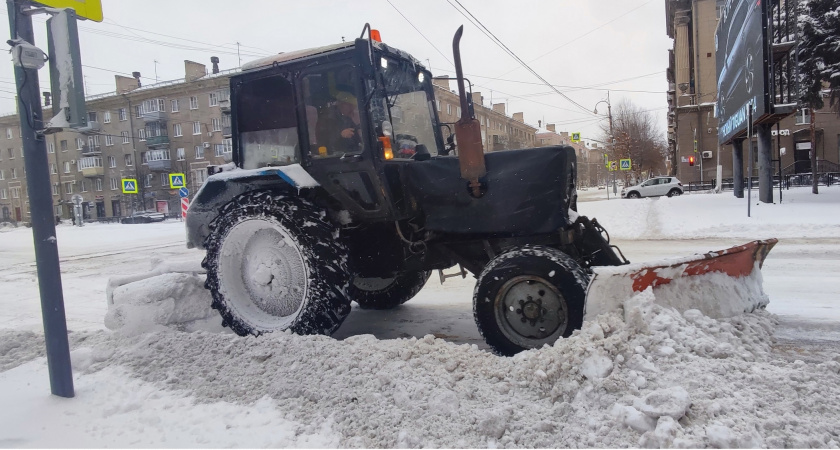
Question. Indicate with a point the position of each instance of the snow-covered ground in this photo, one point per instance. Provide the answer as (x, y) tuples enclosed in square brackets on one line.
[(420, 375)]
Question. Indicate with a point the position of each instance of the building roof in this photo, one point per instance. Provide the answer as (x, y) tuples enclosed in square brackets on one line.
[(297, 54)]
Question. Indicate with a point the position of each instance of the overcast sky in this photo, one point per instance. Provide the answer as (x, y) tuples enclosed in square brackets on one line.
[(584, 48)]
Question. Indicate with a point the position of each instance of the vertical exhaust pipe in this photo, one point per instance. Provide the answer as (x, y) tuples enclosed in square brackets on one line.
[(467, 130)]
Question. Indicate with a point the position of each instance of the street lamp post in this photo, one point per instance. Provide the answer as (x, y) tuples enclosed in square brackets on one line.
[(612, 138)]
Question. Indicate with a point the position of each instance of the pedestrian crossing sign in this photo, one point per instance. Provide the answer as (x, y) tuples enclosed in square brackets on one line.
[(575, 137), (625, 164), (129, 186), (176, 180)]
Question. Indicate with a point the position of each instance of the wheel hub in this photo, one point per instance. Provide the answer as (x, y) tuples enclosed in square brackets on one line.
[(531, 308)]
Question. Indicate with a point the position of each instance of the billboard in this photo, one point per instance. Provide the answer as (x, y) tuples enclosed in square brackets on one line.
[(742, 65)]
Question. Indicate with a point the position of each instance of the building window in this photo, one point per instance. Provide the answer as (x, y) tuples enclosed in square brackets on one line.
[(109, 140), (55, 189), (124, 135), (449, 109), (128, 161), (97, 184), (15, 192), (53, 170), (92, 116), (228, 145), (63, 145), (80, 143), (217, 124), (437, 102), (123, 115), (220, 149), (112, 161), (141, 134), (2, 176), (180, 154), (93, 142), (200, 176), (8, 133), (214, 99), (193, 102), (176, 130), (196, 128), (106, 116), (50, 147), (199, 152), (14, 172), (156, 155), (66, 166), (83, 186), (114, 184), (3, 194), (803, 116), (147, 181), (137, 112), (164, 179), (174, 105), (458, 112), (11, 154), (68, 187)]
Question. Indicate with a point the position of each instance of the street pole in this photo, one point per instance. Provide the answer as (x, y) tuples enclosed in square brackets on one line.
[(41, 211)]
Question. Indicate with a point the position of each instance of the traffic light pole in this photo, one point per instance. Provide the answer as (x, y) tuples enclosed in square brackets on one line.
[(41, 211)]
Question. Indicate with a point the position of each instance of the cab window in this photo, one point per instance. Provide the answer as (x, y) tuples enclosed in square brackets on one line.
[(267, 123), (332, 112)]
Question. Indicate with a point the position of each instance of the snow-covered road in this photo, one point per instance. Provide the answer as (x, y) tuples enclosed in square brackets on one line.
[(385, 380)]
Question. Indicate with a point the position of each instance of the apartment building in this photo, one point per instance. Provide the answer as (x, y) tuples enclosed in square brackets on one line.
[(692, 93), (498, 130), (550, 136), (147, 132)]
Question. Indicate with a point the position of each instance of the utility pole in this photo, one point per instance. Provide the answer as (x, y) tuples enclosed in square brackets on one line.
[(238, 55), (156, 76), (41, 207)]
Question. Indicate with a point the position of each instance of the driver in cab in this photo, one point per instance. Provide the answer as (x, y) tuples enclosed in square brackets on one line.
[(341, 132)]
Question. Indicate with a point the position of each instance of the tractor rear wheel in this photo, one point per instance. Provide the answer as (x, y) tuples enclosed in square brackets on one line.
[(387, 293), (273, 264), (528, 297)]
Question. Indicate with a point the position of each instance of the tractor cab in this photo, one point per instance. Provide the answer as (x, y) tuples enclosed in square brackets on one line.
[(351, 114)]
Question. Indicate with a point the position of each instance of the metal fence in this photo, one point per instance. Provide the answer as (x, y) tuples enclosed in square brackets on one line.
[(787, 181)]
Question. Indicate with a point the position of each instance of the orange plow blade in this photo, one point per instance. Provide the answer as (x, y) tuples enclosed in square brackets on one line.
[(719, 284)]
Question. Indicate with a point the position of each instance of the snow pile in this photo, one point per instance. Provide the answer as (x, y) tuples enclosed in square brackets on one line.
[(172, 300), (646, 375)]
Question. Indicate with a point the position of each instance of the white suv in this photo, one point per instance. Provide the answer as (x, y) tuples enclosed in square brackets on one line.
[(653, 187)]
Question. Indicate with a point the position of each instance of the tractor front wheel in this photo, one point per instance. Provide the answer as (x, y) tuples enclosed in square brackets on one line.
[(528, 297), (273, 264), (387, 293)]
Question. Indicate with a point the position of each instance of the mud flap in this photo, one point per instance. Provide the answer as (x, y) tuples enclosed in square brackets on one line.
[(719, 284)]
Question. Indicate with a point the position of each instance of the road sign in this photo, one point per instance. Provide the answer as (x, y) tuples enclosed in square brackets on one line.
[(185, 204), (575, 137), (184, 192), (129, 186), (87, 9), (77, 199), (176, 180), (624, 164), (613, 166)]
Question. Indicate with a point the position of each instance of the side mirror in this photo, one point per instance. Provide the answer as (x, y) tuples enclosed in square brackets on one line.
[(421, 153)]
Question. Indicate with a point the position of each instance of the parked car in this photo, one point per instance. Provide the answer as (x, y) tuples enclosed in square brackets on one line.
[(654, 187), (144, 217)]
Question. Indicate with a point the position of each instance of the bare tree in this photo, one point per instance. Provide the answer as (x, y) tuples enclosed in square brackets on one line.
[(636, 136)]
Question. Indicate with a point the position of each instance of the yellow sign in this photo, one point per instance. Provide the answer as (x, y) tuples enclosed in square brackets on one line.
[(129, 186), (575, 137), (177, 180), (86, 9), (613, 166)]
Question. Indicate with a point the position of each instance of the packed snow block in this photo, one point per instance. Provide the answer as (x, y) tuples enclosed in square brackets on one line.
[(168, 301), (672, 402)]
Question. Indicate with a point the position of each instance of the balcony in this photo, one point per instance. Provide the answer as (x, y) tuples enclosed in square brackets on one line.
[(91, 167), (163, 165), (88, 150), (157, 141), (226, 132), (154, 116), (224, 105)]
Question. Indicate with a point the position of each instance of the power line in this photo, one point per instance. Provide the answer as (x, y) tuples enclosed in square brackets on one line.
[(498, 42), (421, 33), (575, 88)]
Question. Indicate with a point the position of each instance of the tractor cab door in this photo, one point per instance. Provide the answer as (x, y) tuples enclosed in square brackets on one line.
[(338, 142)]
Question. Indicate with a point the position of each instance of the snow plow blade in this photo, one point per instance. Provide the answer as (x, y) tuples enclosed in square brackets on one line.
[(719, 284)]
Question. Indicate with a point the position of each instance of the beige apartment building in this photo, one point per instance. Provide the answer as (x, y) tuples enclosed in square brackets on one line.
[(147, 133), (498, 130), (692, 93)]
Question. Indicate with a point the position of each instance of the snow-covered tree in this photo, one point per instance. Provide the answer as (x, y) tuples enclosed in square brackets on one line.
[(819, 52)]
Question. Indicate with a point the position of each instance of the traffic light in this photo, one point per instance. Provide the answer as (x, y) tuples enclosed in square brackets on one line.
[(691, 160)]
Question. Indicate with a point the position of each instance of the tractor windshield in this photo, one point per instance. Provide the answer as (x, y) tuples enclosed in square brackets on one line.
[(408, 106)]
